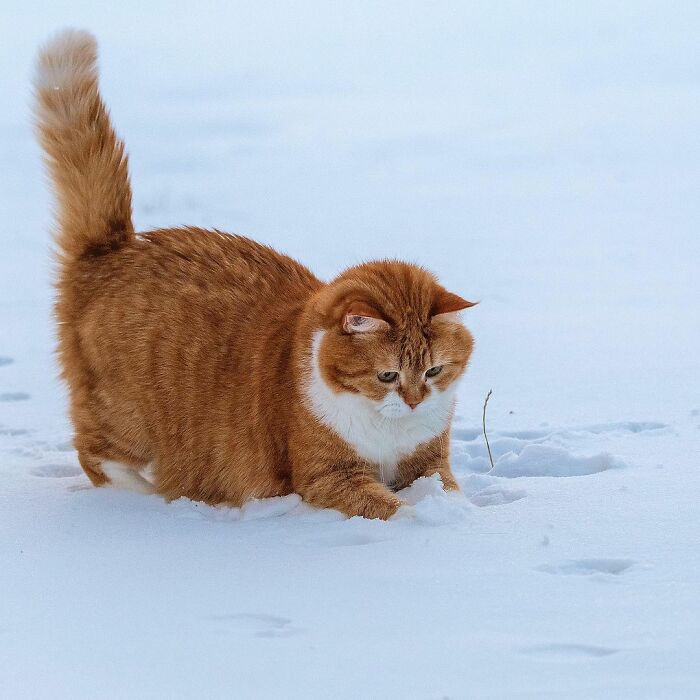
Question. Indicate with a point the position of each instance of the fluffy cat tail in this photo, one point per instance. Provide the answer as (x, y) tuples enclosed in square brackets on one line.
[(85, 159)]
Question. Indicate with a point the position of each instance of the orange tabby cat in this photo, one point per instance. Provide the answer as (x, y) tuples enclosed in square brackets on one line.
[(225, 367)]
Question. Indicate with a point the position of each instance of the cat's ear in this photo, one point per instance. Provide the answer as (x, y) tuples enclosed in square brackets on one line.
[(448, 305), (362, 318)]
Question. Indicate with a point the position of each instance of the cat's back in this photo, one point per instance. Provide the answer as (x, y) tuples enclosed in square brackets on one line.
[(221, 262), (183, 290), (196, 267)]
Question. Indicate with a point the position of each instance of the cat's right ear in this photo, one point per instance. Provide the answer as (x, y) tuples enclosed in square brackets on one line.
[(362, 318)]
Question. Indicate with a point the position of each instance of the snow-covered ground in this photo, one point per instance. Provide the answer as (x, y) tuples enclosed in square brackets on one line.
[(540, 157)]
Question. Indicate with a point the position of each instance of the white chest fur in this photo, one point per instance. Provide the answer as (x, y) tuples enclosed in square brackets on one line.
[(379, 439)]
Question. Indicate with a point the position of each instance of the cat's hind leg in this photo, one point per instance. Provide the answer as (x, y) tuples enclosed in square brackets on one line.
[(93, 468), (110, 472), (112, 446), (124, 476), (106, 464)]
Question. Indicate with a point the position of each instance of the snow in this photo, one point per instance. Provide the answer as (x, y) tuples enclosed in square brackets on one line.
[(542, 159)]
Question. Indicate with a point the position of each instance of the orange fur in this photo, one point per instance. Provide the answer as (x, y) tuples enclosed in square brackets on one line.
[(196, 352)]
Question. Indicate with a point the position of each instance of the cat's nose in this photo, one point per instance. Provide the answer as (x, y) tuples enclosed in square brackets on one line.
[(412, 405)]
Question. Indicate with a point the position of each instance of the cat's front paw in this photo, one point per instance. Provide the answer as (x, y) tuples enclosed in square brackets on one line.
[(381, 507)]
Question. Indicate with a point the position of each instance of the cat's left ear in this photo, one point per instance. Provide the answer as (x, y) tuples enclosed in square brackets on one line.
[(449, 303), (362, 318)]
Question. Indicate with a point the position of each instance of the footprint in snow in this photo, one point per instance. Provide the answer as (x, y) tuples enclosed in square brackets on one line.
[(528, 436), (4, 361), (13, 432), (255, 625), (64, 447), (14, 396), (496, 497), (629, 426), (589, 567), (347, 539), (56, 471), (568, 652)]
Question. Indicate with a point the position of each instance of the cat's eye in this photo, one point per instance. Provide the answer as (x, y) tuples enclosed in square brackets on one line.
[(433, 371), (387, 376)]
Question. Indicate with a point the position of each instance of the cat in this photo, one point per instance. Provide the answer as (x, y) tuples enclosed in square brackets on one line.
[(225, 368)]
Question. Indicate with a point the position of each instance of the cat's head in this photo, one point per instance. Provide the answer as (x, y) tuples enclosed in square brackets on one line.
[(392, 335)]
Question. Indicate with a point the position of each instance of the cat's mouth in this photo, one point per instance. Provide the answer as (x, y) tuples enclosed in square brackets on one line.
[(396, 410), (393, 406)]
